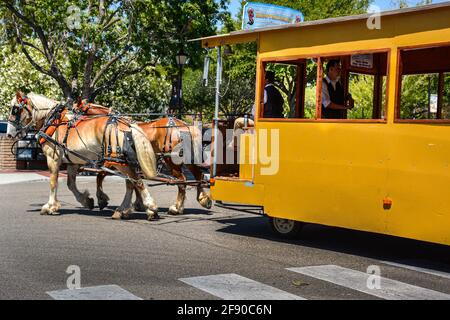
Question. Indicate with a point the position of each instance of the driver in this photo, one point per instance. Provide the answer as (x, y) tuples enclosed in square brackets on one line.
[(334, 102)]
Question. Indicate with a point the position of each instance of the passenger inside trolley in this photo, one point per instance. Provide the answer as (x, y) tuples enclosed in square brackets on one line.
[(273, 105), (273, 100)]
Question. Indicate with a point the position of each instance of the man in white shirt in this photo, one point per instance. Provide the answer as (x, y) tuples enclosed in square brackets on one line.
[(334, 102)]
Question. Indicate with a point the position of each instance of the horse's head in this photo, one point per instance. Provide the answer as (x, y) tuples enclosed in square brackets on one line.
[(21, 116)]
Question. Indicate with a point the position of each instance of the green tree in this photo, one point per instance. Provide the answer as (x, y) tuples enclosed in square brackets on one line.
[(238, 84), (17, 74), (146, 92), (88, 46), (197, 97), (361, 87), (415, 96)]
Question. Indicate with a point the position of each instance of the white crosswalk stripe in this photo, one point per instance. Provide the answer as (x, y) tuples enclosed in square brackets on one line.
[(109, 292), (419, 269), (357, 280), (235, 287)]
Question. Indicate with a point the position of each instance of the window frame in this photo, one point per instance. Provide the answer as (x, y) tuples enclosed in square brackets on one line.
[(286, 59), (399, 81)]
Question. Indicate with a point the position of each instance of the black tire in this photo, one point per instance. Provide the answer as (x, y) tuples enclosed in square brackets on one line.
[(287, 229)]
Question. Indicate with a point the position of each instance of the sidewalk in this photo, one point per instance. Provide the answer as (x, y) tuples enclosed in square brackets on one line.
[(17, 176)]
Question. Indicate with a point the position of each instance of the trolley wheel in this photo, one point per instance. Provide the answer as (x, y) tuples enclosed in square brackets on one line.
[(288, 229)]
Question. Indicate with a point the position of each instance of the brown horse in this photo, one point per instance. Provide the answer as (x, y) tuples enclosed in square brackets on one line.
[(87, 140), (166, 137)]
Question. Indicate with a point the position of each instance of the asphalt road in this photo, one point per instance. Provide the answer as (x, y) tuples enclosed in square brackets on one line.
[(148, 259)]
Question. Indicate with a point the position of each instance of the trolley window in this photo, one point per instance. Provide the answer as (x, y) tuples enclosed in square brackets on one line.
[(289, 89), (317, 88), (424, 84), (353, 87)]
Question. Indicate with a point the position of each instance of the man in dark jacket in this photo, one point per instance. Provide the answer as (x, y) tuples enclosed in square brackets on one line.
[(273, 100)]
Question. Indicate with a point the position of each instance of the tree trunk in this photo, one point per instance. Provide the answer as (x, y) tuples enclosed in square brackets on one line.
[(87, 94)]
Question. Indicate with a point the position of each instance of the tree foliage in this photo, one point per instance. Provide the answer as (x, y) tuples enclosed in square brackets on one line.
[(17, 74), (88, 46), (238, 84), (416, 96)]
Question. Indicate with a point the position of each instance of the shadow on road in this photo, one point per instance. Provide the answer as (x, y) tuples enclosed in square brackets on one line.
[(365, 244), (108, 212)]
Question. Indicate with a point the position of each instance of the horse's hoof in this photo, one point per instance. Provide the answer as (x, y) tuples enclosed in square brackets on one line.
[(127, 214), (152, 216), (90, 203), (117, 215), (123, 215), (103, 200), (206, 203), (52, 210), (174, 211), (205, 200), (139, 207), (50, 213), (102, 205)]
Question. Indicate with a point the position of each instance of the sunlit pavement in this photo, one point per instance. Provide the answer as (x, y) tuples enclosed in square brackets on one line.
[(217, 254)]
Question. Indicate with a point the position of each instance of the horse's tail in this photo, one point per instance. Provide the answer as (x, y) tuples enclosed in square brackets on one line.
[(145, 153)]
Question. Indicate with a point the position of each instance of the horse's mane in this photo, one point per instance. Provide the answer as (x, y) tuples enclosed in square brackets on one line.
[(41, 101)]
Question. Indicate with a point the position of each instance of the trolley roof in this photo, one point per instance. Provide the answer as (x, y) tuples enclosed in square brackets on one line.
[(252, 35)]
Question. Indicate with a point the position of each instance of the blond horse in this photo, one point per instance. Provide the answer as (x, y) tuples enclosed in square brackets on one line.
[(87, 141)]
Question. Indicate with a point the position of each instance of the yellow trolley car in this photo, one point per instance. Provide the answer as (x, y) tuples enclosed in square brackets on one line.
[(387, 172)]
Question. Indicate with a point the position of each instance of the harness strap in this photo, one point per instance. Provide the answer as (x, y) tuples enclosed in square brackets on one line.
[(53, 121), (70, 125), (109, 140), (85, 107), (89, 161), (46, 137), (108, 156), (118, 149), (170, 139)]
